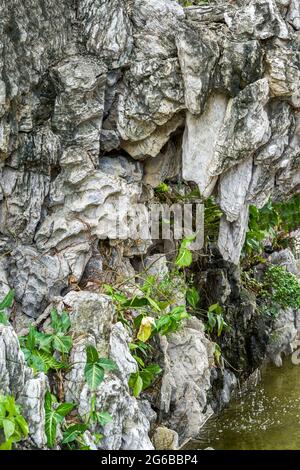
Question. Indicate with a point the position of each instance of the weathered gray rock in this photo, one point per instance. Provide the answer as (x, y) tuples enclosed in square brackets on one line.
[(287, 259), (233, 189), (283, 334), (91, 318), (238, 138), (240, 64), (36, 278), (198, 52), (232, 236), (107, 30), (121, 166), (85, 88), (260, 19), (166, 166), (165, 438), (283, 71), (186, 380), (199, 144), (293, 16), (18, 380)]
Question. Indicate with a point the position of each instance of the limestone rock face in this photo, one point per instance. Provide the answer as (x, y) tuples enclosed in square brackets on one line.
[(100, 102), (91, 317), (187, 359)]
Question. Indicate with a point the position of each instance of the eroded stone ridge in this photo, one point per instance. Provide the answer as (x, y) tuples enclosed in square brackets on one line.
[(100, 101)]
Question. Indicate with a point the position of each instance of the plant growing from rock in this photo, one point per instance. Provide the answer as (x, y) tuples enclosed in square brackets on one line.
[(215, 320), (54, 415), (270, 225), (280, 290), (13, 426), (40, 348), (94, 374)]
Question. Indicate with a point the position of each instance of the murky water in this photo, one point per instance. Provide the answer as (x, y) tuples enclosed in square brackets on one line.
[(267, 417)]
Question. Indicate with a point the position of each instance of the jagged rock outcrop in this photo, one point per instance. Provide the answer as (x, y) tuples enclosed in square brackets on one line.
[(17, 379), (187, 362), (123, 77), (92, 324), (102, 100)]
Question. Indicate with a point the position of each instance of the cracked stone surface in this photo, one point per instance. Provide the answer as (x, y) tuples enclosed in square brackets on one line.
[(100, 102)]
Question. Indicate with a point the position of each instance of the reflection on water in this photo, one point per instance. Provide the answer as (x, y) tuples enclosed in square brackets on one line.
[(267, 417)]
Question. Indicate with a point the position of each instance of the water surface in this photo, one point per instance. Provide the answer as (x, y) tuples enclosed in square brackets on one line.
[(266, 417)]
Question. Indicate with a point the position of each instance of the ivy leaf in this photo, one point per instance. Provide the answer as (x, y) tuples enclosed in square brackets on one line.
[(94, 375)]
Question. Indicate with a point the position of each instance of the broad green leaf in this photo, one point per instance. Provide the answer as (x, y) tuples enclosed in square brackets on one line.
[(48, 401), (64, 408), (138, 360), (65, 321), (193, 297), (136, 302), (8, 428), (94, 375), (138, 386), (220, 324), (48, 360), (7, 445), (215, 308), (154, 369), (36, 363), (8, 300), (3, 319), (72, 432), (31, 338), (108, 289), (184, 258), (187, 241), (62, 343), (91, 354), (153, 304), (11, 406), (44, 341), (104, 418), (217, 353), (22, 423), (107, 364), (50, 427), (55, 320)]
